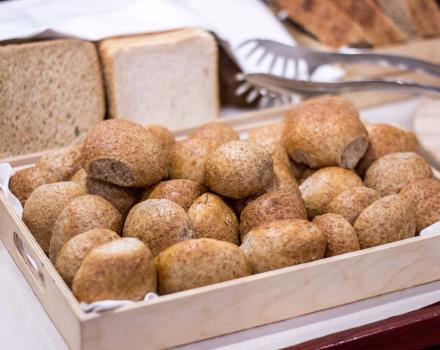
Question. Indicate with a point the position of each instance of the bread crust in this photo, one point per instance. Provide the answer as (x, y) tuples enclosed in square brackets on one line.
[(325, 131)]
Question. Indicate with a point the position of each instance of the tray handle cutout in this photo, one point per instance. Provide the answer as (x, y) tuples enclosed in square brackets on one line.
[(30, 262)]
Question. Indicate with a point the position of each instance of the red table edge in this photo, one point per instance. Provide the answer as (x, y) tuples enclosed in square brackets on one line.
[(414, 330)]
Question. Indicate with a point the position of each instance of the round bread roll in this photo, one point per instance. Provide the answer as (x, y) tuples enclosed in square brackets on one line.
[(159, 223), (319, 189), (80, 215), (164, 135), (238, 169), (199, 262), (63, 163), (270, 207), (217, 131), (341, 237), (188, 157), (119, 270), (43, 207), (325, 131), (390, 173), (25, 181), (124, 153), (283, 243), (283, 178), (351, 202), (424, 194), (385, 139), (305, 174), (75, 250), (210, 217), (123, 198), (183, 192), (268, 136), (388, 219)]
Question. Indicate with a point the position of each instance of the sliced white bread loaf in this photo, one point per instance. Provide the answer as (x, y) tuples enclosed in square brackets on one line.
[(51, 92), (168, 78)]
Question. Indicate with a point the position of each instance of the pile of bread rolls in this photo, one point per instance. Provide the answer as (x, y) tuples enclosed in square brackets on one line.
[(132, 211)]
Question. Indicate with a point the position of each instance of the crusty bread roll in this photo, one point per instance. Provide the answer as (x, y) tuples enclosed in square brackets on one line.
[(238, 169), (283, 243), (385, 139), (123, 198), (25, 181), (351, 202), (217, 131), (325, 131), (199, 262), (181, 191), (267, 136), (43, 207), (390, 173), (319, 189), (340, 235), (188, 157), (210, 217), (119, 270), (75, 250), (388, 219), (270, 207), (124, 153), (159, 223), (80, 215), (164, 135), (424, 194)]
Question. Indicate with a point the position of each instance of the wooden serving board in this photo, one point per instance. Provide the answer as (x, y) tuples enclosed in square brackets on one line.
[(226, 307)]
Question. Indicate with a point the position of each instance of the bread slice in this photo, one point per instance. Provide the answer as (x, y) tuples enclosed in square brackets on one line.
[(169, 78), (425, 16), (377, 28), (325, 20), (51, 92)]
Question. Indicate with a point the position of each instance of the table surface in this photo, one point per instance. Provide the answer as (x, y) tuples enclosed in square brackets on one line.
[(25, 325)]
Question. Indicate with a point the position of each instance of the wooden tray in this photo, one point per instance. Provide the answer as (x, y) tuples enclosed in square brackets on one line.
[(226, 307)]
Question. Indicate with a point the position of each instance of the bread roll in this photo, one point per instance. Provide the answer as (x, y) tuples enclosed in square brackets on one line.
[(75, 250), (165, 136), (80, 215), (199, 262), (350, 203), (340, 235), (390, 173), (210, 217), (159, 223), (325, 131), (388, 219), (119, 270), (283, 243), (43, 207), (183, 192), (217, 131), (187, 158), (267, 136), (124, 153), (270, 207), (238, 169), (385, 139), (319, 189)]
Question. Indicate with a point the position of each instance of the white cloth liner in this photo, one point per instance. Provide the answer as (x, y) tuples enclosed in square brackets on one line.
[(6, 172)]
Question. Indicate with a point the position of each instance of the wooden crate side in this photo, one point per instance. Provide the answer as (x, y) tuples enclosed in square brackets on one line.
[(47, 285), (265, 298)]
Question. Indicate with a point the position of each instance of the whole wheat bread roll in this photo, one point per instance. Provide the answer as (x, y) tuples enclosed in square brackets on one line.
[(325, 131), (119, 270), (74, 251), (164, 135), (43, 207), (159, 223), (80, 215), (217, 131), (124, 153)]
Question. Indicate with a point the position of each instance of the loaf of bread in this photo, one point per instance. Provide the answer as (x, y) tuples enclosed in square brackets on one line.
[(168, 78), (51, 93)]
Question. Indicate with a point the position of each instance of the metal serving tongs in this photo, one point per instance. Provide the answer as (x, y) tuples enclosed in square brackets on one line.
[(280, 86)]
